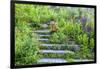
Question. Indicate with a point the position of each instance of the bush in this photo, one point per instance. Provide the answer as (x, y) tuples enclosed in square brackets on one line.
[(26, 45)]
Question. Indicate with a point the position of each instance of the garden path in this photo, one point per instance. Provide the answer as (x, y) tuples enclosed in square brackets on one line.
[(44, 35)]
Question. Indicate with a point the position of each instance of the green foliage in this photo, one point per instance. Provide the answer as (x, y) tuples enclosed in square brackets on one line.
[(30, 17), (26, 44), (58, 37), (85, 46), (26, 47)]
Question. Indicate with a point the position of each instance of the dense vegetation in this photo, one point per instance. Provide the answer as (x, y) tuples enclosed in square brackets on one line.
[(76, 24)]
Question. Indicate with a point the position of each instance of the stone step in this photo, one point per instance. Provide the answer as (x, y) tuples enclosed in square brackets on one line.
[(81, 60), (50, 45), (43, 39), (42, 31), (44, 25), (51, 60), (60, 47), (42, 35), (56, 51)]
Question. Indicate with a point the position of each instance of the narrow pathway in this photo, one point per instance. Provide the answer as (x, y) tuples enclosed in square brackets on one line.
[(44, 35)]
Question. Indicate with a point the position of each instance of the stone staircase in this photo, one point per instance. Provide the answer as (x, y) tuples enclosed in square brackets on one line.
[(44, 35)]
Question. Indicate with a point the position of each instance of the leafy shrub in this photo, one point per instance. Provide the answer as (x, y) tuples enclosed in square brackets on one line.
[(26, 45)]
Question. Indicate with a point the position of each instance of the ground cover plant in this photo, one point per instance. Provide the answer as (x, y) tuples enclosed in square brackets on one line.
[(74, 35)]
